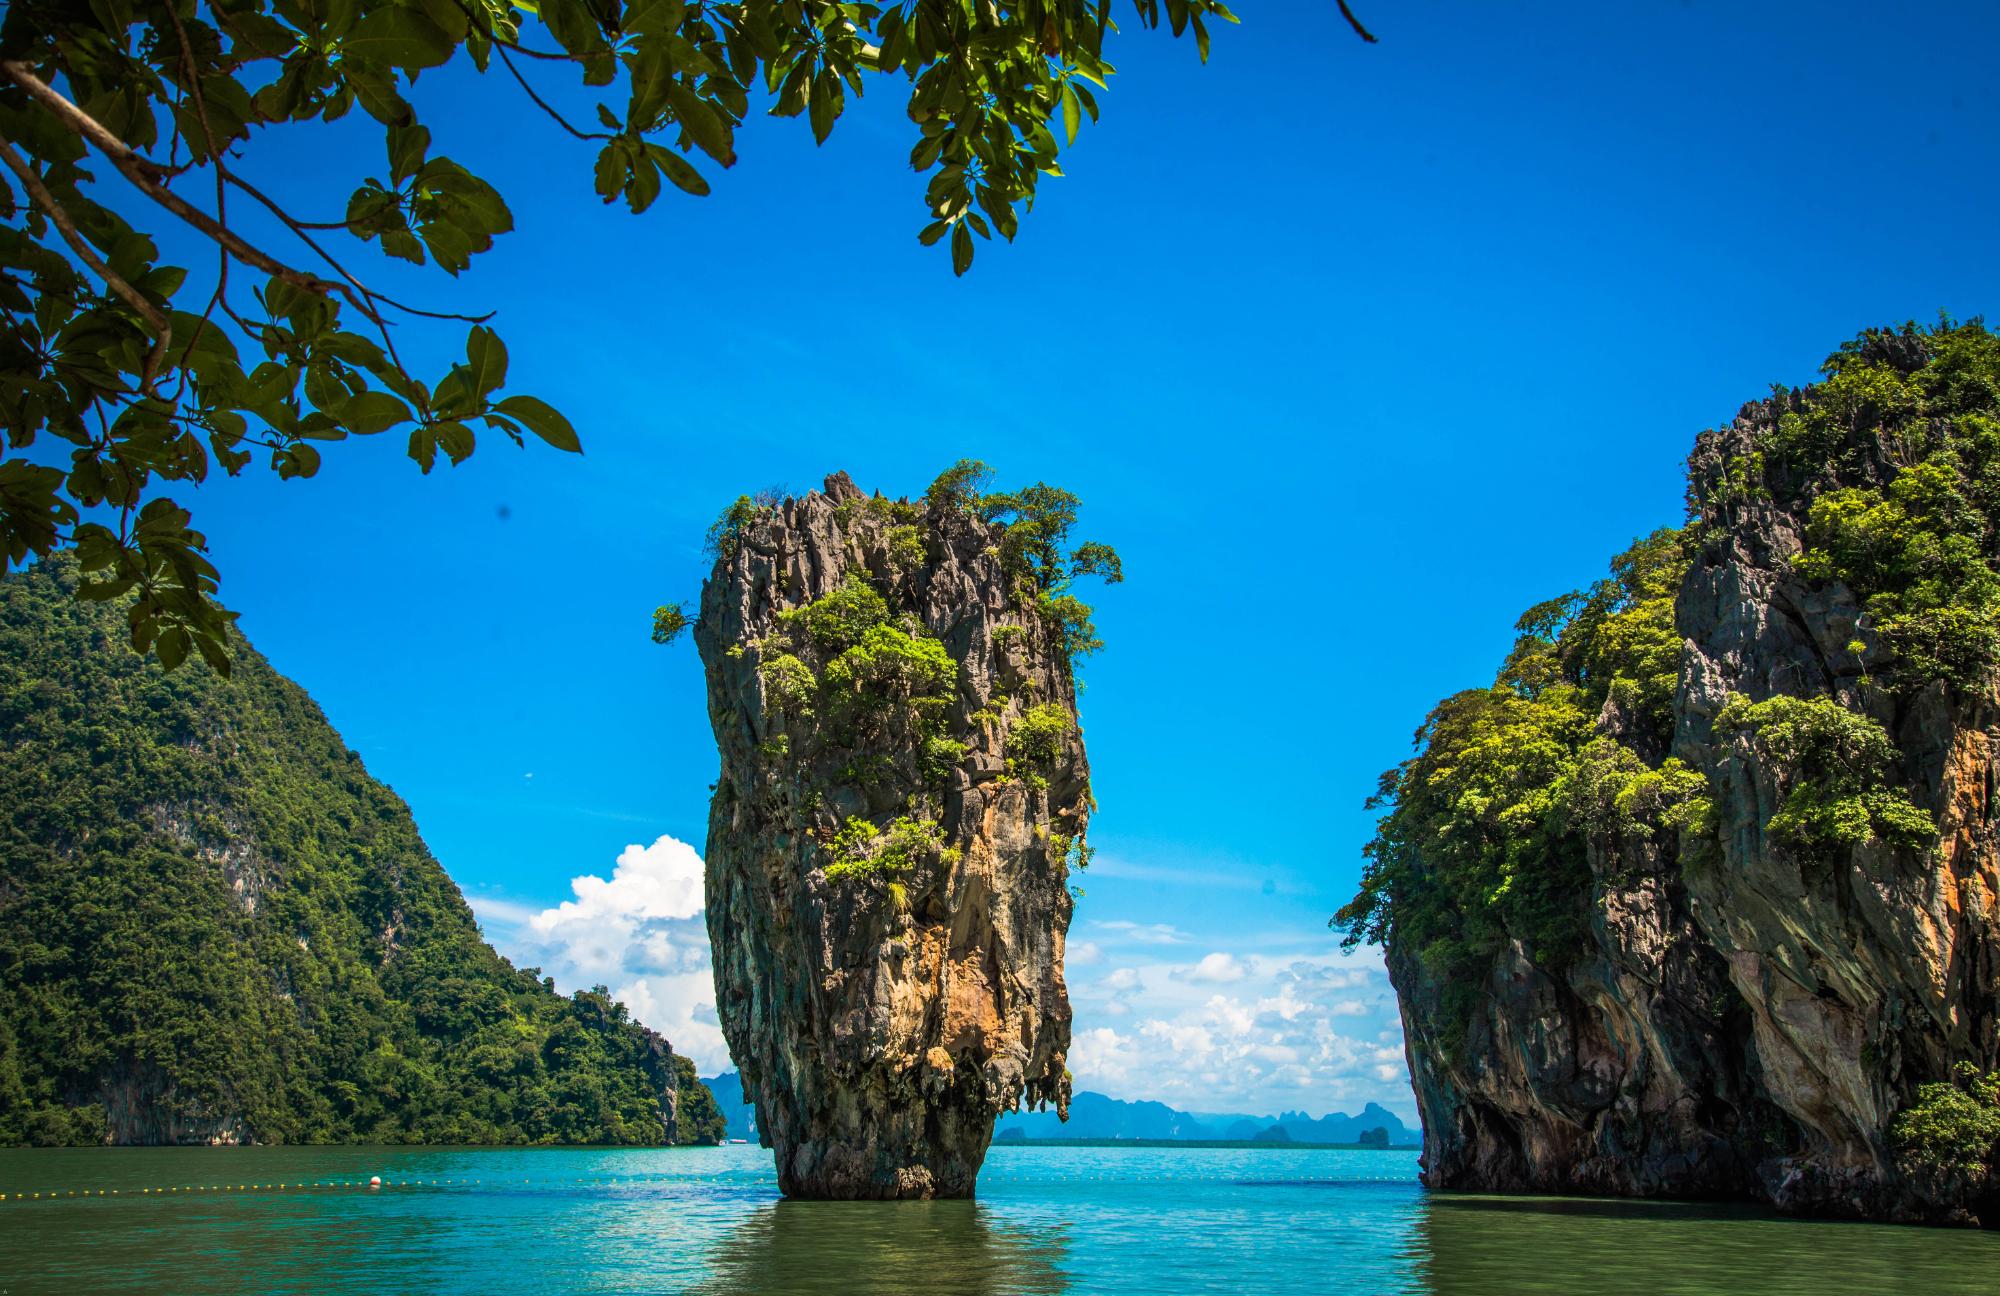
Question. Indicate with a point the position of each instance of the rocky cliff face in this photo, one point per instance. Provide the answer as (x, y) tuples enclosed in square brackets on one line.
[(903, 785), (1751, 1007)]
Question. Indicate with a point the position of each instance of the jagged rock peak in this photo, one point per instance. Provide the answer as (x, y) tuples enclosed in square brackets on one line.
[(1748, 944), (903, 786)]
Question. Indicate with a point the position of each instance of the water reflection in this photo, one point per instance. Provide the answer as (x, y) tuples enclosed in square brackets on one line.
[(787, 1247), (1476, 1245)]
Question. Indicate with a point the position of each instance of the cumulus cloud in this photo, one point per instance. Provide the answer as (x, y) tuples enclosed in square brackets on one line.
[(1233, 1030), (640, 932), (1268, 1025), (1214, 969)]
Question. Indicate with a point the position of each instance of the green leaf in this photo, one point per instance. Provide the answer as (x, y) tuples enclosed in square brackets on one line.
[(297, 460), (408, 146), (678, 170), (543, 421), (394, 36), (488, 355), (704, 125), (457, 440), (644, 185), (824, 104), (372, 412), (961, 249), (1072, 111), (172, 645)]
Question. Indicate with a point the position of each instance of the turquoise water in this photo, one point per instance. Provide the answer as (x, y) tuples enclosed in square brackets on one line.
[(1048, 1220)]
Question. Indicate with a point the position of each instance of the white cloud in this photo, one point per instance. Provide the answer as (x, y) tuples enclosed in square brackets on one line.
[(1142, 933), (1255, 1032), (1215, 969), (641, 932), (1274, 1023)]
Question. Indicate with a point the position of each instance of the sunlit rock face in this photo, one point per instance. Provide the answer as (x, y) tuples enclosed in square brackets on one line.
[(1750, 1019), (901, 788)]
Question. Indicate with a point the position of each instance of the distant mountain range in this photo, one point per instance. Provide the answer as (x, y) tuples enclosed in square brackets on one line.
[(1096, 1116), (1093, 1115)]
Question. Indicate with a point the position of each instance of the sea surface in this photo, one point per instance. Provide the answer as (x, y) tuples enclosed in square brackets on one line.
[(1048, 1220)]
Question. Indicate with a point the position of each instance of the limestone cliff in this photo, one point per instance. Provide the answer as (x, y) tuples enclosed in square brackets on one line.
[(903, 786), (1788, 920)]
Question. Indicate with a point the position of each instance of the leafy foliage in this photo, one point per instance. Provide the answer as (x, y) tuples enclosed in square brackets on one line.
[(960, 486), (1036, 738), (1036, 523), (1953, 1126), (840, 619), (1919, 551), (720, 542), (204, 894), (146, 381), (1832, 765), (861, 849), (670, 621), (892, 665), (1486, 835), (788, 682)]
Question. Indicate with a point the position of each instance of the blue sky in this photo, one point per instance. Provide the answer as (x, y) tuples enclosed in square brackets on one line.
[(1353, 352)]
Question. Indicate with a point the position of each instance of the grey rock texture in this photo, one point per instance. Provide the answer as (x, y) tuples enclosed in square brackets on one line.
[(882, 1022), (1748, 1022)]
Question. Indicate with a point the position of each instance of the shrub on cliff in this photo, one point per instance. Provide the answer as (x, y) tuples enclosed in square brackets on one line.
[(1832, 765), (1487, 826), (1919, 550), (1952, 1128)]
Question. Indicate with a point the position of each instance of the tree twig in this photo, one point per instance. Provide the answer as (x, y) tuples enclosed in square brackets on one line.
[(1355, 23), (543, 103), (299, 227), (208, 139), (501, 42), (163, 329)]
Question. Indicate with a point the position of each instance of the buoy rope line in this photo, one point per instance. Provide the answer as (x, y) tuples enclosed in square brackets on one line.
[(376, 1183)]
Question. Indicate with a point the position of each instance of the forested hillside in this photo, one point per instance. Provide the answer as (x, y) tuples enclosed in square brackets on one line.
[(216, 927)]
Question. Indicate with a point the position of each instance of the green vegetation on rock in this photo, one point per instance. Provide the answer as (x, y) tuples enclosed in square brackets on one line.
[(1037, 522), (213, 922), (1487, 825), (1919, 551), (847, 671), (1953, 1126), (1831, 763)]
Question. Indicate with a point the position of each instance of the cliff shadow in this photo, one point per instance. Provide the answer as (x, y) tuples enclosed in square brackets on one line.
[(891, 1248)]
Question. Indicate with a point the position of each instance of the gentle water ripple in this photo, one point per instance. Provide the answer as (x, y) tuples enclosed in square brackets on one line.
[(501, 1222)]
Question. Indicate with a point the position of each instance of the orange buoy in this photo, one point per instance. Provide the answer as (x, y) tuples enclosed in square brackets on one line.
[(375, 1181)]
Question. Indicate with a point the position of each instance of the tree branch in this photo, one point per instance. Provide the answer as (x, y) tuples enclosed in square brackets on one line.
[(300, 227), (163, 329), (146, 175)]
